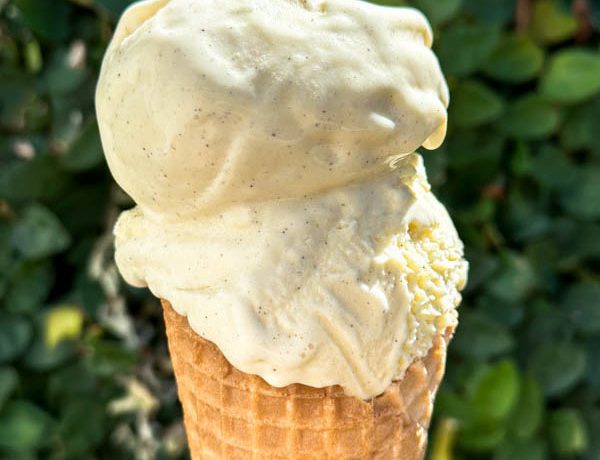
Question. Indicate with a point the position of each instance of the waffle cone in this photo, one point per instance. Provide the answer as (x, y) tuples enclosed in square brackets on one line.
[(229, 414)]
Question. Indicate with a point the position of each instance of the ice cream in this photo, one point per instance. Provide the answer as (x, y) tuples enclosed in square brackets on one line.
[(269, 147)]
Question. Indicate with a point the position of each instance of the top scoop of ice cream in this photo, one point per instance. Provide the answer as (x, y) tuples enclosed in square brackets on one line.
[(207, 103), (268, 145)]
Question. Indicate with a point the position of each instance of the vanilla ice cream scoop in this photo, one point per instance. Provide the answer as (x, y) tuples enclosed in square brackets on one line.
[(206, 103), (269, 147)]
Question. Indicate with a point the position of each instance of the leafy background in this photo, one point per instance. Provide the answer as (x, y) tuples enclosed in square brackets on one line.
[(84, 370)]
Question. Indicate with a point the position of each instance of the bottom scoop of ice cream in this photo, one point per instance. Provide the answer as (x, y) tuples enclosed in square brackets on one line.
[(344, 288)]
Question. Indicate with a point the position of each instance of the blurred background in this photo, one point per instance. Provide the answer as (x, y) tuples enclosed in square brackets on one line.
[(84, 370)]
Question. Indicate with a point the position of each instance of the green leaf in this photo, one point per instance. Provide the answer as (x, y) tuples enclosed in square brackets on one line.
[(475, 104), (581, 127), (463, 49), (15, 335), (481, 267), (514, 279), (515, 60), (106, 358), (63, 323), (593, 422), (572, 76), (495, 392), (595, 17), (23, 427), (49, 20), (7, 261), (382, 2), (438, 11), (39, 178), (115, 7), (89, 294), (525, 219), (544, 258), (497, 12), (81, 438), (30, 286), (558, 366), (72, 382), (551, 168), (9, 51), (86, 150), (581, 198), (527, 413), (593, 368), (17, 97), (40, 356), (480, 337), (567, 432), (33, 56), (530, 117), (521, 450), (61, 77), (546, 324), (478, 213), (442, 444), (89, 220), (520, 159), (436, 166), (455, 407), (9, 379), (550, 23), (489, 147), (579, 243), (511, 314), (39, 233), (482, 437), (581, 306)]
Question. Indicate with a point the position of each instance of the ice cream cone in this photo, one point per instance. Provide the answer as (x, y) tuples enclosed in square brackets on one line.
[(229, 414)]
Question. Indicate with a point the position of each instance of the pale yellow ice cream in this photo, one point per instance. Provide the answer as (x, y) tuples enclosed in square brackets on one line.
[(268, 146)]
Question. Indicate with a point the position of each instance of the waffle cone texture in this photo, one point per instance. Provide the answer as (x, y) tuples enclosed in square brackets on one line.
[(231, 415)]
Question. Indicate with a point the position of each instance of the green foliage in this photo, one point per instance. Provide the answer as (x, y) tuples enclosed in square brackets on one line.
[(15, 335), (48, 20), (67, 344), (483, 337), (516, 59), (567, 431), (438, 11), (530, 117), (572, 76), (521, 450), (63, 323), (558, 366), (39, 233), (475, 104), (8, 383), (581, 307), (495, 391), (551, 23), (526, 417), (519, 172), (31, 283), (466, 48), (24, 427), (86, 150)]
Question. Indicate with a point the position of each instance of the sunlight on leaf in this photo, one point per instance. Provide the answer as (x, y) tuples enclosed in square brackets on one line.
[(443, 440), (63, 323)]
